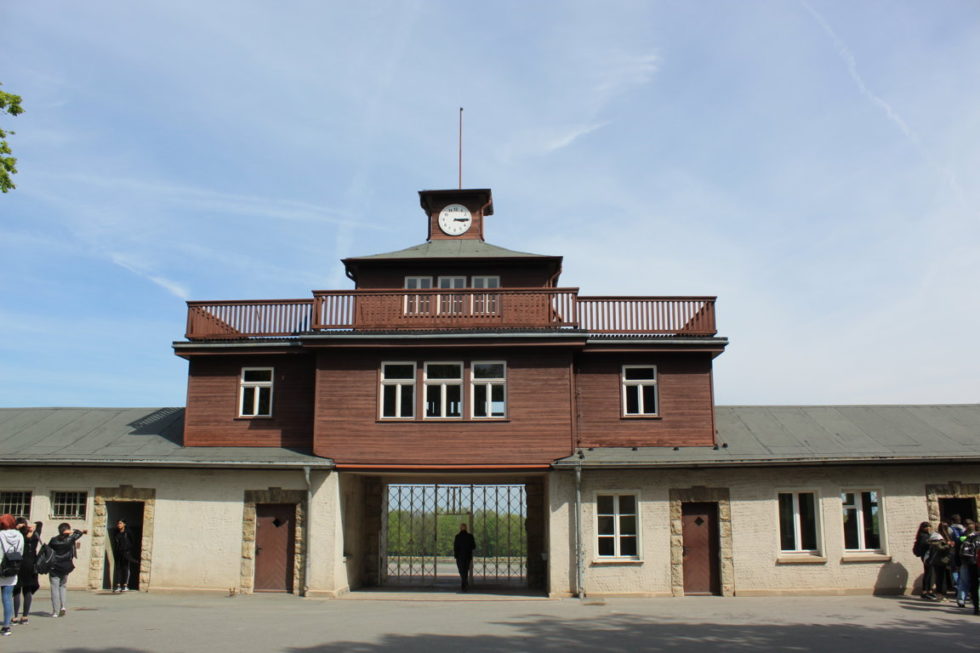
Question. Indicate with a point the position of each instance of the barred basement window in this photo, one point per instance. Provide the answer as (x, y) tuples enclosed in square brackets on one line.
[(617, 527), (68, 505), (862, 520), (256, 392), (640, 390), (17, 504)]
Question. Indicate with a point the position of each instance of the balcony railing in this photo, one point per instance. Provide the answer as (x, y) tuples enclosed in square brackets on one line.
[(503, 308)]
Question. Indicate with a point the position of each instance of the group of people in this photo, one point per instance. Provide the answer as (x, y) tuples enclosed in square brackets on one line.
[(949, 560)]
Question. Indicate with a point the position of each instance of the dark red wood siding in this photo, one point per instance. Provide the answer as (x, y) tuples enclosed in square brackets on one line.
[(686, 412), (516, 275), (212, 418), (538, 428)]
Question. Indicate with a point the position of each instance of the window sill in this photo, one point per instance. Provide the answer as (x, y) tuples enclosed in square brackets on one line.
[(249, 418), (611, 562), (641, 417), (787, 558), (442, 420), (866, 557)]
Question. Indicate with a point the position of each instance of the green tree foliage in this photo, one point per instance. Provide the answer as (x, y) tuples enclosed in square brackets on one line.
[(498, 534), (9, 103)]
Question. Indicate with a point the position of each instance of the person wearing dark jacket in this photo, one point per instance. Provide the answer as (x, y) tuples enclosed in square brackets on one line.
[(63, 546), (921, 550), (27, 582), (122, 557), (463, 546)]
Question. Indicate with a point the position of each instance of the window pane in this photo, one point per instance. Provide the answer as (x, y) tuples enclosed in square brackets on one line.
[(808, 520), (454, 400), (444, 371), (416, 283), (479, 401), (265, 401), (649, 400), (787, 538), (637, 373), (627, 504), (488, 370), (433, 401), (607, 546), (632, 400), (498, 401), (257, 375), (604, 504), (627, 525), (847, 498), (869, 507), (627, 546), (399, 371), (248, 401), (851, 529), (606, 525), (408, 401), (389, 394)]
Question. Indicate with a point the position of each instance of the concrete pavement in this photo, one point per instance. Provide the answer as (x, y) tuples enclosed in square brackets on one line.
[(437, 621)]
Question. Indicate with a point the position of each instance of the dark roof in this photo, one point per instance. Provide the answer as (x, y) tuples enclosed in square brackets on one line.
[(451, 249), (134, 436), (794, 435)]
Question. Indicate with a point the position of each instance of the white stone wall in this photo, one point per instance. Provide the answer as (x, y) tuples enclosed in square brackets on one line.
[(759, 567)]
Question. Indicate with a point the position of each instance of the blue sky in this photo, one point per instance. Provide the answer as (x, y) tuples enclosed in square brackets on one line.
[(816, 165)]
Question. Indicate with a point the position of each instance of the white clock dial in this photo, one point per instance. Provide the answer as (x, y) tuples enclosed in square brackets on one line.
[(455, 219)]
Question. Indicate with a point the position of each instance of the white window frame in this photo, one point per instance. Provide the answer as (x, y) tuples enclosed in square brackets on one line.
[(418, 304), (399, 385), (489, 303), (484, 279), (7, 506), (858, 508), (443, 384), (451, 304), (488, 383), (617, 535), (258, 386), (798, 522), (640, 383), (77, 516)]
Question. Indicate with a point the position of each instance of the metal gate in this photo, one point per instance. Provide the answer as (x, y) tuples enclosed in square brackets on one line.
[(422, 520)]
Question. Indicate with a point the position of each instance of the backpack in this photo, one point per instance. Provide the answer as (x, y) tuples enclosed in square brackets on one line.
[(44, 560), (968, 551), (11, 563)]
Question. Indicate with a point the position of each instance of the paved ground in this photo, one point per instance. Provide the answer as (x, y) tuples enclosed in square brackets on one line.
[(474, 623)]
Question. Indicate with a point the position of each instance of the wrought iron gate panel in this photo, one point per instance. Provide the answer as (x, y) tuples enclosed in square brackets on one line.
[(421, 522)]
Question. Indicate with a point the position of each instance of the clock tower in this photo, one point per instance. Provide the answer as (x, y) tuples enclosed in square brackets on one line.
[(456, 214)]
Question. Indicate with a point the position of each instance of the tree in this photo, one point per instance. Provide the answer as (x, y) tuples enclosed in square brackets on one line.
[(9, 103)]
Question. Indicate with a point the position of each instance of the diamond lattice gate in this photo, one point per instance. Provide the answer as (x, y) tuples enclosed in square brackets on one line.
[(421, 522)]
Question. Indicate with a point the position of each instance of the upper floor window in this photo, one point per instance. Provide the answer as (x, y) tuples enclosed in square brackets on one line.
[(17, 504), (489, 381), (398, 389), (256, 392), (862, 520), (617, 525), (640, 390), (798, 521), (486, 282), (68, 505), (443, 389), (418, 304)]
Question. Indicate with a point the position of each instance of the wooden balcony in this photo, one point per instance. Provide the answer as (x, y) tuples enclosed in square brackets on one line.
[(503, 308)]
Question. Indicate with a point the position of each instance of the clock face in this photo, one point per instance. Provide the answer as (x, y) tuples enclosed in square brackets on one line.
[(455, 219)]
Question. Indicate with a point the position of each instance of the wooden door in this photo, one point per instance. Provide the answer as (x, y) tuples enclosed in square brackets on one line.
[(274, 546), (701, 559)]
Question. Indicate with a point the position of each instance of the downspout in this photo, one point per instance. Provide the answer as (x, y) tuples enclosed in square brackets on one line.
[(579, 589), (306, 531)]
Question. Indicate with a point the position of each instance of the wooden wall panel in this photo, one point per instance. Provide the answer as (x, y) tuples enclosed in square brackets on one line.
[(536, 431), (511, 276), (212, 418), (686, 411)]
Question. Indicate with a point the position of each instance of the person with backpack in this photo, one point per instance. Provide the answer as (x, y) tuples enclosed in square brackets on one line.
[(63, 545), (967, 586), (27, 582), (920, 548), (12, 549)]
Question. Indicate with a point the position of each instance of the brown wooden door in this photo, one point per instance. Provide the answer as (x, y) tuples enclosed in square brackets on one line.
[(274, 546), (700, 532)]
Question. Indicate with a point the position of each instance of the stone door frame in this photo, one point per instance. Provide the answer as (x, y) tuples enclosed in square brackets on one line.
[(701, 494), (100, 525), (949, 490), (249, 525)]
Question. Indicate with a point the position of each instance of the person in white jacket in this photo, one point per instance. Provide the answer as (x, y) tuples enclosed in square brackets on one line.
[(11, 541)]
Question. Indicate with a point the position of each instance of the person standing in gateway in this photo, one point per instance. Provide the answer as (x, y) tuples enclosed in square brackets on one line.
[(463, 547)]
